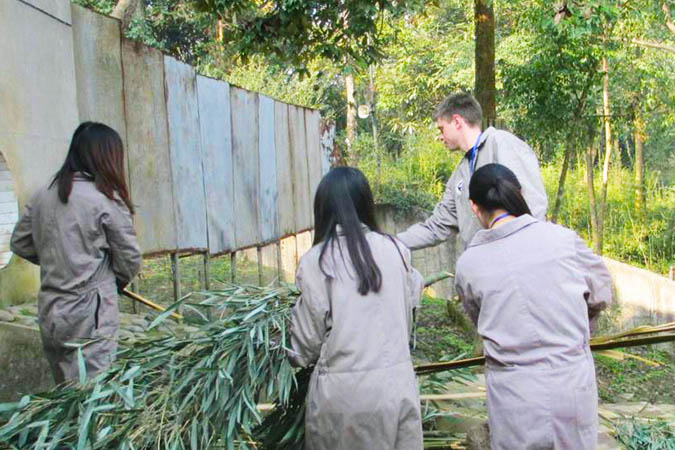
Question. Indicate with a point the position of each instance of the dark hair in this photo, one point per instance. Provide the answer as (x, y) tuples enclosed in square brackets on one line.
[(463, 104), (494, 186), (344, 198), (97, 152)]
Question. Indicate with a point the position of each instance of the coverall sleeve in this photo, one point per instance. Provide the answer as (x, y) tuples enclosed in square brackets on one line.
[(414, 281), (469, 300), (308, 320), (121, 236), (22, 243), (598, 280), (438, 227), (523, 163)]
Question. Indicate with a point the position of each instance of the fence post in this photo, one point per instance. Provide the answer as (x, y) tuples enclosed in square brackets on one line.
[(175, 272), (233, 266), (207, 271)]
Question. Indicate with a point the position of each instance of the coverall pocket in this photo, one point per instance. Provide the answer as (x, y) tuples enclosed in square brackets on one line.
[(106, 312)]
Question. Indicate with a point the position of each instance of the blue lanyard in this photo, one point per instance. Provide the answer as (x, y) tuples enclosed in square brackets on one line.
[(498, 218), (474, 155)]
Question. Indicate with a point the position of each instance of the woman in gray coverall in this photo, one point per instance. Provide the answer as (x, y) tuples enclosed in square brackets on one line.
[(78, 229), (533, 288), (353, 321)]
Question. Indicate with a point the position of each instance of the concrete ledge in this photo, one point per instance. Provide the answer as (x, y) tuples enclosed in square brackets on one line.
[(24, 367)]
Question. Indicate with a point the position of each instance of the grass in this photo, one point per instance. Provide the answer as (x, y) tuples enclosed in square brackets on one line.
[(632, 380), (438, 335)]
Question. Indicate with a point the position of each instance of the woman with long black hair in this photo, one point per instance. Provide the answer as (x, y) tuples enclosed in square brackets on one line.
[(533, 289), (78, 229), (353, 322)]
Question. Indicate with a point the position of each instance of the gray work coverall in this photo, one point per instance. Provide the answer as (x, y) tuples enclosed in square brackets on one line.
[(363, 394), (532, 288), (82, 247), (454, 212)]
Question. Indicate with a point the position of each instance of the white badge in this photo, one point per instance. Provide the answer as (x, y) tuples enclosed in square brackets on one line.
[(460, 187)]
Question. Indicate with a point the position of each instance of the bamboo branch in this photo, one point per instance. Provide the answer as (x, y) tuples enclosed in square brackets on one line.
[(436, 278)]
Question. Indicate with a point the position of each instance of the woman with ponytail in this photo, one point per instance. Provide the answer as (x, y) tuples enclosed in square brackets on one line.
[(78, 229), (533, 289), (352, 322)]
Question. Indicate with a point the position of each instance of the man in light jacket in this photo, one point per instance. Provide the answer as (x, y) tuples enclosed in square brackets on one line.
[(459, 119)]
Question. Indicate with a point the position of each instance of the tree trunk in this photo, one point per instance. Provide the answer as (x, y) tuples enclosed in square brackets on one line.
[(372, 99), (639, 133), (561, 180), (592, 204), (608, 150), (125, 10), (351, 111), (485, 60)]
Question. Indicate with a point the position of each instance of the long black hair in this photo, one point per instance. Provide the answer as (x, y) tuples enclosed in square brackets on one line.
[(494, 186), (344, 198), (97, 152)]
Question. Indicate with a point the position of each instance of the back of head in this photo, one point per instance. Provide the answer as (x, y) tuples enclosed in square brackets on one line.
[(494, 186), (344, 198), (95, 151), (462, 104)]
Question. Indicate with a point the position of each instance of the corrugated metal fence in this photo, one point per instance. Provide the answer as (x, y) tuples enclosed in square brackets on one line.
[(213, 168)]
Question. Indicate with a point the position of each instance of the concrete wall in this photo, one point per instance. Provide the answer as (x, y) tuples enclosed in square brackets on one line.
[(428, 261), (643, 297)]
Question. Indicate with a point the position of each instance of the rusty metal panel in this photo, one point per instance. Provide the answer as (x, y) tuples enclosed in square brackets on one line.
[(268, 212), (38, 107), (244, 108), (286, 205), (289, 258), (98, 68), (304, 243), (186, 157), (314, 164), (298, 145), (148, 147), (216, 138)]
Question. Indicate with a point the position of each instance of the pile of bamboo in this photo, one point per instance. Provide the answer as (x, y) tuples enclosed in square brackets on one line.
[(201, 391)]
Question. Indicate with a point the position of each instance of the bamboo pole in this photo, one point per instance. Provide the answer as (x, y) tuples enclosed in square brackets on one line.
[(426, 369), (150, 303)]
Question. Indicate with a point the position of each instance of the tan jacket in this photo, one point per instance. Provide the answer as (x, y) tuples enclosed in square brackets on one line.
[(363, 393), (82, 248), (454, 213), (531, 288)]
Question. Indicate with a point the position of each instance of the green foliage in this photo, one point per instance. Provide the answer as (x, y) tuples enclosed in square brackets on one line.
[(647, 436), (414, 179), (648, 243), (299, 31), (417, 177), (431, 56)]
